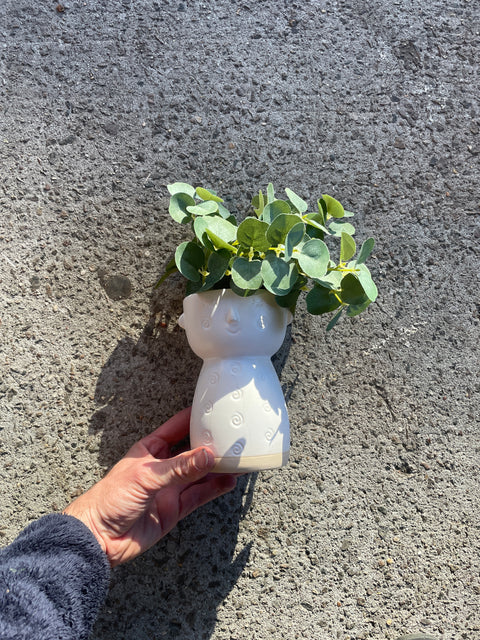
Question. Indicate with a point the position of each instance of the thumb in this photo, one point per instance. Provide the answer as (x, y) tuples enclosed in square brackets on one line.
[(185, 468)]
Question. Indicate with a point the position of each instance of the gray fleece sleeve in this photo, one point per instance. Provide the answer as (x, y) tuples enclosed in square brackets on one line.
[(53, 580)]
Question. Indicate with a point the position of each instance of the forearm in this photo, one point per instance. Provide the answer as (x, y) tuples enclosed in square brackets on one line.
[(53, 579)]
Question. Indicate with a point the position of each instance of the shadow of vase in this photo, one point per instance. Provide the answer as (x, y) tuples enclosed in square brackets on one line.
[(175, 588)]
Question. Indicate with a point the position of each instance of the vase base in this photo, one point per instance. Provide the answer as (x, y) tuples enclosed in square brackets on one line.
[(247, 464)]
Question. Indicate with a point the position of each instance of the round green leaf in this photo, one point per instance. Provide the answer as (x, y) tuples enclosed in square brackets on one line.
[(334, 207), (280, 226), (289, 301), (352, 291), (314, 258), (203, 208), (200, 226), (270, 193), (247, 274), (204, 194), (316, 220), (367, 282), (251, 233), (243, 293), (366, 250), (347, 247), (332, 280), (321, 300), (221, 228), (278, 275), (181, 187), (300, 205), (258, 203), (179, 203), (216, 267), (225, 213), (294, 238), (274, 209), (189, 258), (337, 227), (334, 320), (356, 309)]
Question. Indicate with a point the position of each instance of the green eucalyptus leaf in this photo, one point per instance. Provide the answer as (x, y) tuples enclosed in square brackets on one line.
[(274, 209), (221, 228), (347, 247), (334, 320), (258, 203), (355, 309), (337, 227), (225, 213), (332, 280), (300, 205), (294, 238), (289, 301), (217, 264), (352, 291), (170, 268), (179, 204), (200, 226), (314, 258), (322, 209), (334, 207), (193, 287), (218, 243), (243, 293), (246, 274), (280, 226), (203, 208), (366, 250), (189, 258), (365, 278), (205, 194), (181, 187), (316, 220), (252, 233), (321, 300), (278, 276), (270, 193)]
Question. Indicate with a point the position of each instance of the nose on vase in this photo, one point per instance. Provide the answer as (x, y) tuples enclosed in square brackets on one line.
[(232, 316)]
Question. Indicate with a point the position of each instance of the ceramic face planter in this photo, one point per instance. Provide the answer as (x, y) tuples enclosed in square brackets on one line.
[(238, 409)]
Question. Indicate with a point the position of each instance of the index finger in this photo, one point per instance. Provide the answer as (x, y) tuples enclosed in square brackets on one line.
[(171, 432)]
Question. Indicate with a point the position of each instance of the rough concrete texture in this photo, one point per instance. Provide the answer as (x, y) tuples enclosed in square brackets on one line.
[(372, 531)]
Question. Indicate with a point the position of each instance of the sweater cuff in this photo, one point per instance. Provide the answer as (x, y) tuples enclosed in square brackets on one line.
[(63, 558)]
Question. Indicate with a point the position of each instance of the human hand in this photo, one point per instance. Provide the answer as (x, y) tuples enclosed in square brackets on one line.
[(147, 492)]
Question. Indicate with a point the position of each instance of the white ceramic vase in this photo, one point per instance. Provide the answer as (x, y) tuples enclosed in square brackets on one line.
[(238, 409)]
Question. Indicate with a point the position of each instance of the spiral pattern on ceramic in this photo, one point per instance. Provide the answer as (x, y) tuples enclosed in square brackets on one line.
[(206, 437), (235, 368), (207, 407), (236, 420), (237, 394), (214, 377), (237, 448), (266, 407), (206, 324), (269, 434)]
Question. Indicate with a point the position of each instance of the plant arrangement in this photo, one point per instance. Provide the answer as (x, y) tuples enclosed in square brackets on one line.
[(282, 248), (278, 252)]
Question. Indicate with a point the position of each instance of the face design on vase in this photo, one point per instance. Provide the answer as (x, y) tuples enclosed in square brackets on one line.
[(232, 317), (232, 321)]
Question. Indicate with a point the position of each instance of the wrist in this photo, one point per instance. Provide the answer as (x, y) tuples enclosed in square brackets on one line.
[(82, 513)]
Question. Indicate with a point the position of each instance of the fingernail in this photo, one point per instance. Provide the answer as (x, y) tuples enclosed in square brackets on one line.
[(201, 459)]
